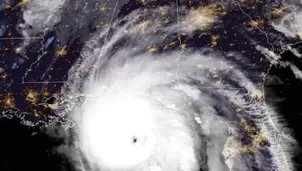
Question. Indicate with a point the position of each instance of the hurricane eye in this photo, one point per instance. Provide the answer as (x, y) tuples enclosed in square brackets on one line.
[(134, 139)]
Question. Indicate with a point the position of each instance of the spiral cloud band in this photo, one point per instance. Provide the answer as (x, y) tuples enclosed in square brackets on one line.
[(152, 106)]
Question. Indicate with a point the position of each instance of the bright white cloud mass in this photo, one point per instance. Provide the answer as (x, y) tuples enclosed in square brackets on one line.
[(166, 111), (42, 15)]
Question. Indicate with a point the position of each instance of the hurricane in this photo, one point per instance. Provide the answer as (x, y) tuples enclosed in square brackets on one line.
[(142, 97)]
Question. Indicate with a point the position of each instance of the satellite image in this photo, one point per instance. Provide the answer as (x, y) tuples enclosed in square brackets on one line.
[(150, 85)]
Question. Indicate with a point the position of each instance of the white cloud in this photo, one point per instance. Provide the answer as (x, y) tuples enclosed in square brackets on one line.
[(296, 71), (290, 25), (42, 15), (181, 87)]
